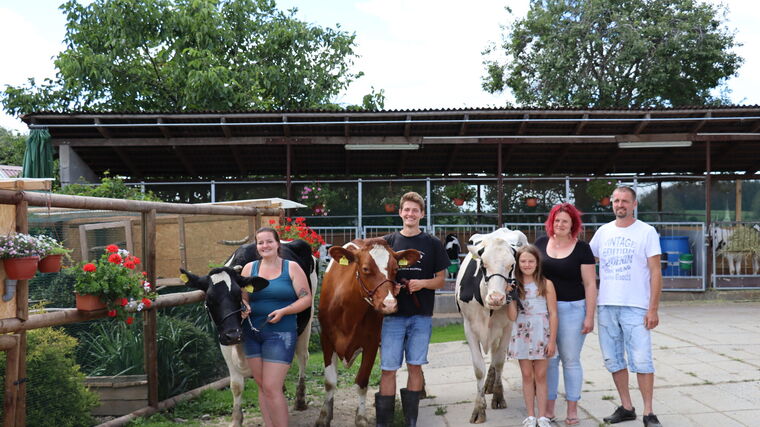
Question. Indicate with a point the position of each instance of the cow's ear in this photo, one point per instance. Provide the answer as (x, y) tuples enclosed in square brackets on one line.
[(411, 256), (342, 255), (474, 246), (253, 284), (193, 281)]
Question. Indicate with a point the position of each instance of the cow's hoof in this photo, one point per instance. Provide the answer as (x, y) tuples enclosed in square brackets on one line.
[(322, 422), (478, 416), (498, 401)]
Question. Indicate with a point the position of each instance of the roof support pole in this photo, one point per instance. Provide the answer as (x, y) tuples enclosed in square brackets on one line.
[(429, 213), (499, 185), (708, 210), (288, 172), (359, 223)]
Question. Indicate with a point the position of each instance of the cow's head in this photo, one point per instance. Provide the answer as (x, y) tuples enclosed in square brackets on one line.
[(374, 266), (223, 287), (495, 253)]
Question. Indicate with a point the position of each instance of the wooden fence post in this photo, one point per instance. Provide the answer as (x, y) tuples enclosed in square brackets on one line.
[(150, 330)]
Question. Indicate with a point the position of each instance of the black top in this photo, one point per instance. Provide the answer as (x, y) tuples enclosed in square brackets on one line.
[(433, 260), (565, 272)]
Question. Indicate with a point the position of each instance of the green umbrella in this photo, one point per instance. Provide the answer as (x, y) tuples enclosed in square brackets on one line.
[(38, 157)]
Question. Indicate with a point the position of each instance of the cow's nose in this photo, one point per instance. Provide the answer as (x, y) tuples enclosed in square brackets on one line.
[(231, 337), (496, 299), (389, 305)]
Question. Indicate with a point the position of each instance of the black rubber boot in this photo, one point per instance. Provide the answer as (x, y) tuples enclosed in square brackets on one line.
[(410, 401), (384, 407)]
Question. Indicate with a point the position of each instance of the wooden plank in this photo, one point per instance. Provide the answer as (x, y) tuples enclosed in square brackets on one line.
[(150, 335), (21, 391), (11, 376), (45, 184), (182, 241), (22, 286)]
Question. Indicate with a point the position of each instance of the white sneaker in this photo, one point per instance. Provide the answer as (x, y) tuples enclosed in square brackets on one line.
[(529, 422), (544, 422)]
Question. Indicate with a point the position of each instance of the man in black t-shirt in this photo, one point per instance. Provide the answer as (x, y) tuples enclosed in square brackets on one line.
[(406, 333)]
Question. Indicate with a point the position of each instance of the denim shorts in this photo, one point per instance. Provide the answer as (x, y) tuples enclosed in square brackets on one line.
[(271, 346), (405, 336), (621, 332)]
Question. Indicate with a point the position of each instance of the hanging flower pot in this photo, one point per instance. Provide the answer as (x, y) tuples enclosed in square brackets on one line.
[(531, 202), (389, 207), (50, 264), (318, 209), (89, 302), (604, 201), (458, 201), (23, 268)]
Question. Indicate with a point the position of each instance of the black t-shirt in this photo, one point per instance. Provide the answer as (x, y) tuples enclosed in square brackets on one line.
[(565, 272), (433, 260)]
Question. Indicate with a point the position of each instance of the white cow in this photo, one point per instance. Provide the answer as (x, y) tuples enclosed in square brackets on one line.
[(736, 243), (481, 294)]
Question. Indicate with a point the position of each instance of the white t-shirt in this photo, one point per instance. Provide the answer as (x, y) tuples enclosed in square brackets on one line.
[(623, 270)]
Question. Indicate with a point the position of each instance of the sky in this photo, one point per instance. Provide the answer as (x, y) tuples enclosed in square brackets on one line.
[(422, 53)]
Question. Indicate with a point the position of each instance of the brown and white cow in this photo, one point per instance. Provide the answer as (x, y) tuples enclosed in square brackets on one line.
[(357, 290), (481, 294)]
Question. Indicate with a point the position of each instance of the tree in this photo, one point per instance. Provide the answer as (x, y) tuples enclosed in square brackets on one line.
[(621, 53), (12, 146), (174, 55)]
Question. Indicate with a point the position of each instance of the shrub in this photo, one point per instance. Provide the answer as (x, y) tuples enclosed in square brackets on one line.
[(55, 391)]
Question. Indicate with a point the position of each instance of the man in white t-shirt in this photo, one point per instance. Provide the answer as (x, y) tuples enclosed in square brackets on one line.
[(630, 282)]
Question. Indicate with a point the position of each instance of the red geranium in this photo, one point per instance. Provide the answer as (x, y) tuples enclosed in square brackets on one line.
[(271, 222), (147, 302), (112, 248), (89, 267), (111, 313), (129, 264), (114, 258), (129, 320), (123, 302)]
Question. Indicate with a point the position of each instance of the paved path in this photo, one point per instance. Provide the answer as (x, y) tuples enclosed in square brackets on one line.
[(707, 358)]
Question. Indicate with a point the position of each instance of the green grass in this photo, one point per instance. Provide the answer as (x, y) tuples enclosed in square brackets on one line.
[(219, 402)]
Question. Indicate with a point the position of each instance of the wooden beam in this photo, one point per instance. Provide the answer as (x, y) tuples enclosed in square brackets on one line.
[(463, 126), (699, 125), (150, 326), (346, 128), (756, 127), (226, 130), (408, 126), (105, 132), (164, 129), (214, 141), (642, 124), (285, 127), (582, 124), (523, 124)]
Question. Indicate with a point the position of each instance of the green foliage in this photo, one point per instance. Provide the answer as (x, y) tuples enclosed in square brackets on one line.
[(459, 190), (113, 188), (187, 356), (12, 147), (639, 53), (169, 55), (55, 390), (599, 188)]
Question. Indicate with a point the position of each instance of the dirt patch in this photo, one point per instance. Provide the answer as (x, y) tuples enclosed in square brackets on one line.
[(344, 412)]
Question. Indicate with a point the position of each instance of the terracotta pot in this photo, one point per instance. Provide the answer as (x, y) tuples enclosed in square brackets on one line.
[(21, 268), (457, 201), (50, 264), (89, 302), (604, 201), (531, 202), (390, 207)]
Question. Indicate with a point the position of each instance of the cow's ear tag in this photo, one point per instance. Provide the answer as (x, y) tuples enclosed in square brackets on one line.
[(249, 289), (183, 278), (403, 262), (343, 261)]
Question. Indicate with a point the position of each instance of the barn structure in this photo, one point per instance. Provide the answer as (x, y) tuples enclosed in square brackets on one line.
[(284, 148)]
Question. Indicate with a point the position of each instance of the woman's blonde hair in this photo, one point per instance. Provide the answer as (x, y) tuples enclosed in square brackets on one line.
[(538, 276)]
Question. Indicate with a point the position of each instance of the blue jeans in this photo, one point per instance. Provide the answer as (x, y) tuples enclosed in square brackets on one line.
[(621, 332), (271, 346), (408, 336), (569, 345)]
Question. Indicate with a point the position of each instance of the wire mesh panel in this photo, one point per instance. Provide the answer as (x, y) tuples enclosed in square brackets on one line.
[(736, 254)]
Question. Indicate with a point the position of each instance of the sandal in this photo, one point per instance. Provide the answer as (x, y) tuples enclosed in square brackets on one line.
[(571, 421)]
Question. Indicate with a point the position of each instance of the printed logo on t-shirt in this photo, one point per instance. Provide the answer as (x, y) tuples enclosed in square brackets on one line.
[(415, 266), (616, 257)]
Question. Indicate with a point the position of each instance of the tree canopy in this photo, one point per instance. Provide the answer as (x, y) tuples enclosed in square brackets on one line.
[(12, 146), (614, 53), (175, 55)]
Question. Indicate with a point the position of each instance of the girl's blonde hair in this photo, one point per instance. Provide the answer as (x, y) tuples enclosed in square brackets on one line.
[(538, 276)]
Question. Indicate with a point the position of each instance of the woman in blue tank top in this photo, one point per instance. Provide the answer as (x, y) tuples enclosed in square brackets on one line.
[(270, 334)]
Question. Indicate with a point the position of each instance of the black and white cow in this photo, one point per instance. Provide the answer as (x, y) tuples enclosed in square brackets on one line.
[(722, 239), (452, 250), (230, 334), (481, 294)]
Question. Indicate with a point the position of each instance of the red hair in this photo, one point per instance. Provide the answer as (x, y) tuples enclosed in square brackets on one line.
[(575, 217)]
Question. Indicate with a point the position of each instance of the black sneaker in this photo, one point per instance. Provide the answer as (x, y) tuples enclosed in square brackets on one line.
[(651, 421), (622, 414)]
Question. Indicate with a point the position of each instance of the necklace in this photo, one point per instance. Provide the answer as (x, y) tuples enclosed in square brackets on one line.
[(559, 244)]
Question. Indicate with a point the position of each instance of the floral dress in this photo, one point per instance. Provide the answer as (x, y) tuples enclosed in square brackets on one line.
[(530, 332)]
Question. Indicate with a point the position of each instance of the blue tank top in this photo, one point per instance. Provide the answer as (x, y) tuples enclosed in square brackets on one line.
[(278, 294)]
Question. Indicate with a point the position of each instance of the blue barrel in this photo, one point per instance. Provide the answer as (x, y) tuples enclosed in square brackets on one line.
[(672, 249)]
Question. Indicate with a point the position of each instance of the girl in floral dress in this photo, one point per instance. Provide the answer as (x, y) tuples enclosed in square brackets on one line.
[(534, 332)]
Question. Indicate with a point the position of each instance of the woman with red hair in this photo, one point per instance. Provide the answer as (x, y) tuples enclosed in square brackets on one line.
[(569, 263)]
